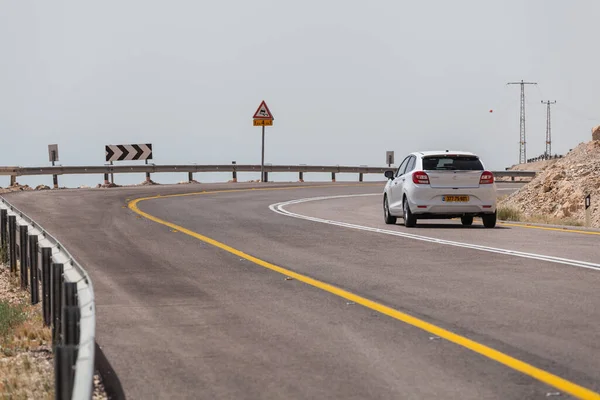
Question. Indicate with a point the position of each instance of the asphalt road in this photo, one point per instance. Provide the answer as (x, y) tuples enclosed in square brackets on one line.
[(181, 318)]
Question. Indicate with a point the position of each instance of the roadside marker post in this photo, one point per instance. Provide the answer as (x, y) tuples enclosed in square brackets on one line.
[(53, 157), (588, 203), (389, 158), (263, 117)]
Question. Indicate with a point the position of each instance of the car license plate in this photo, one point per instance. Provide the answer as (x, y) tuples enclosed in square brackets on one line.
[(456, 199)]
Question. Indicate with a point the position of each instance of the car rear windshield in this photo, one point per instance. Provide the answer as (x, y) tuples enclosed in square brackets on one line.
[(453, 163)]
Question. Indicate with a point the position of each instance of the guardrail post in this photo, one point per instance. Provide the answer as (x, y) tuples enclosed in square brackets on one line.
[(46, 288), (300, 176), (33, 267), (333, 177), (4, 235), (55, 181), (64, 373), (147, 173), (190, 177), (360, 177), (24, 255), (266, 177), (234, 177), (13, 180), (70, 325), (56, 299), (106, 182), (12, 243), (70, 314), (112, 175)]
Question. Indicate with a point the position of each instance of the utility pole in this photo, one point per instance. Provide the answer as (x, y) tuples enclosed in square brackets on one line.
[(522, 144), (548, 129)]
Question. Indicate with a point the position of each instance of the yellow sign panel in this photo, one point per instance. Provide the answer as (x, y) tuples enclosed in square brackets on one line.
[(263, 122)]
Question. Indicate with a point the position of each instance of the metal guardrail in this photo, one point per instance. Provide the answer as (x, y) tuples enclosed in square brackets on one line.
[(67, 296), (514, 174), (151, 168), (193, 168)]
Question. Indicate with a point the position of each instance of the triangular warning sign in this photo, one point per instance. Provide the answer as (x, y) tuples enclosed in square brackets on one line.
[(263, 112)]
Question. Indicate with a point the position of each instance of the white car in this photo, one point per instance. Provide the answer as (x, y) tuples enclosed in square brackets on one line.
[(440, 184)]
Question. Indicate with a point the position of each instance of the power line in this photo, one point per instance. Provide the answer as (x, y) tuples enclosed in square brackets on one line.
[(577, 114), (548, 128), (522, 143), (570, 110)]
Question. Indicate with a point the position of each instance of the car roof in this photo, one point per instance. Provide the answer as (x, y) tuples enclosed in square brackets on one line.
[(443, 152)]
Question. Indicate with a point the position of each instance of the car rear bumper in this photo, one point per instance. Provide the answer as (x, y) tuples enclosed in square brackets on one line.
[(429, 202)]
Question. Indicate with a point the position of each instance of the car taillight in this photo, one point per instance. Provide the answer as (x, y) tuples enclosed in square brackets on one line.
[(486, 178), (420, 178)]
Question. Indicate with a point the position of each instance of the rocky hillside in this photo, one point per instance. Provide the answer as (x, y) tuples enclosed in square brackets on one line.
[(560, 189)]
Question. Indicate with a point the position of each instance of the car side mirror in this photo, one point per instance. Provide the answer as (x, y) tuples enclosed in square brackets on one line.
[(389, 174)]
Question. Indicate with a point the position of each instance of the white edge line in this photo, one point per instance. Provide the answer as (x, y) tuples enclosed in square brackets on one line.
[(279, 209)]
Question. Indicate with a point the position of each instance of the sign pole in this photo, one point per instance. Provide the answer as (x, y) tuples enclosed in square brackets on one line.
[(262, 157), (263, 117), (147, 173)]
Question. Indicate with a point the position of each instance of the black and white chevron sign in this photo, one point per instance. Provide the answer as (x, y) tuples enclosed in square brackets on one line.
[(122, 152)]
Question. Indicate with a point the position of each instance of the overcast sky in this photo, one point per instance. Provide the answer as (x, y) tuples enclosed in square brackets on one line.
[(345, 80)]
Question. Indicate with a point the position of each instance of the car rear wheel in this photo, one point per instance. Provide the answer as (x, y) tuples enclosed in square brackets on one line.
[(489, 220), (389, 219), (466, 221), (409, 219)]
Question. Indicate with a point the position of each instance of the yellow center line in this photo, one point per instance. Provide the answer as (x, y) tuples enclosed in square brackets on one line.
[(162, 196), (511, 362), (549, 228)]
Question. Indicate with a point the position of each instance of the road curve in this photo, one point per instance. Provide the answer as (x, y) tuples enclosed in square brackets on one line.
[(181, 318)]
